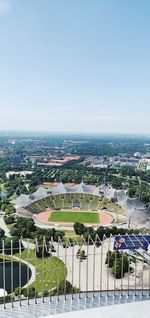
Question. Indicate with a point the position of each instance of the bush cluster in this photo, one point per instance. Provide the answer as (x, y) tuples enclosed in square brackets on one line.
[(119, 263), (9, 219), (26, 292)]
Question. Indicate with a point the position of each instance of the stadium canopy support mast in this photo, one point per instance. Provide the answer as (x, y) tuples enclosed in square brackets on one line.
[(82, 181), (128, 221), (116, 214)]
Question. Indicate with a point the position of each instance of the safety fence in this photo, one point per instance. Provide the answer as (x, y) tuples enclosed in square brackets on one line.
[(33, 270)]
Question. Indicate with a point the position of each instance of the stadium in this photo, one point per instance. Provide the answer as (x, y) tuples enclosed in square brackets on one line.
[(64, 204)]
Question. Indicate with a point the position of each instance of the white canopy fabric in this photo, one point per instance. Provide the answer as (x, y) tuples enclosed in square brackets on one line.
[(134, 209)]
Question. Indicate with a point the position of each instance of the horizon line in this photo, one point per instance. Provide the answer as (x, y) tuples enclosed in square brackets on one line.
[(75, 132)]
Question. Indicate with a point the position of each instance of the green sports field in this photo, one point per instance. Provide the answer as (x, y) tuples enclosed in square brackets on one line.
[(72, 217)]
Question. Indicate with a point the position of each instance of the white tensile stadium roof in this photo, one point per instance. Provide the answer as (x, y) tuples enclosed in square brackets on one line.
[(128, 204)]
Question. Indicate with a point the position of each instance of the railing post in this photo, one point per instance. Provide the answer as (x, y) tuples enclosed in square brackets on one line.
[(20, 275), (129, 274), (35, 263), (94, 265), (28, 253), (122, 270), (73, 268), (50, 276), (108, 266), (80, 267), (115, 274), (58, 269), (149, 278), (87, 267), (43, 278), (4, 284), (12, 275), (142, 272), (65, 268), (101, 267), (135, 273)]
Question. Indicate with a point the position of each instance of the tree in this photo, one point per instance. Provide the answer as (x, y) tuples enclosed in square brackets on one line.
[(132, 192), (100, 232), (79, 228), (121, 266), (114, 230), (2, 234), (116, 269), (81, 254), (24, 227), (8, 208), (58, 234), (10, 219), (110, 258), (15, 245)]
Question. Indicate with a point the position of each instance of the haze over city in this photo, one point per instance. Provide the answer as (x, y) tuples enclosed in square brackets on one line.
[(79, 66)]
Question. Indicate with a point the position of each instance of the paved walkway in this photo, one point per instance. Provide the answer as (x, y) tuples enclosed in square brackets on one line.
[(92, 273), (108, 307), (4, 226), (130, 310)]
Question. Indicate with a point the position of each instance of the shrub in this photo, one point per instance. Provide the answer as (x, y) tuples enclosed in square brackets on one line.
[(121, 266), (29, 292), (110, 258), (10, 219), (81, 254), (19, 291), (66, 287), (116, 269), (7, 299)]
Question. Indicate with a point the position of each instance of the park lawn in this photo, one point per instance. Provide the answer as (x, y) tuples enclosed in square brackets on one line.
[(49, 271), (70, 233), (14, 197), (72, 217), (10, 225)]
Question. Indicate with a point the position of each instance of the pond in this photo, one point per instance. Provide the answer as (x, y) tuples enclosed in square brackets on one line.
[(25, 274)]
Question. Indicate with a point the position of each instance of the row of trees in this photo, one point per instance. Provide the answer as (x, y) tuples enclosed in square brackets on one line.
[(11, 244), (25, 228), (81, 229)]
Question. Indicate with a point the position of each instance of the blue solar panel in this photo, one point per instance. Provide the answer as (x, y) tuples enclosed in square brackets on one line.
[(131, 242)]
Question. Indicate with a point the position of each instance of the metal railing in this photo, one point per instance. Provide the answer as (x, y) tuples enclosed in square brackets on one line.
[(76, 266)]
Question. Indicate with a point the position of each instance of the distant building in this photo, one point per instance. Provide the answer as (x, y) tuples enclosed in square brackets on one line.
[(58, 162)]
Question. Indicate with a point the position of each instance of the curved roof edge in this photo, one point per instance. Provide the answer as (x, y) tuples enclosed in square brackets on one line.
[(108, 192)]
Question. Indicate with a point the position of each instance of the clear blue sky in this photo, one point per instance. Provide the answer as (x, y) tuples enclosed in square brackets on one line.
[(75, 65)]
